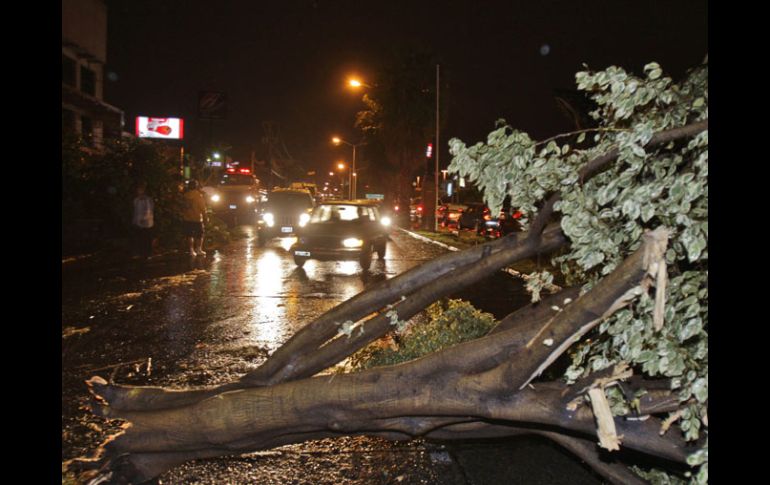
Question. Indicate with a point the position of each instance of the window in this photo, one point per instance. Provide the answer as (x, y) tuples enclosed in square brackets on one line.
[(236, 179), (87, 129), (87, 81), (334, 212), (67, 71)]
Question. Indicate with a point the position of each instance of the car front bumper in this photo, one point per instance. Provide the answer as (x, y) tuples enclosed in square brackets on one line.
[(229, 208), (277, 230), (327, 254)]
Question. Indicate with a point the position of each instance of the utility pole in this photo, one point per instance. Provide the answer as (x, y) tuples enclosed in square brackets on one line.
[(269, 140), (438, 150), (353, 178)]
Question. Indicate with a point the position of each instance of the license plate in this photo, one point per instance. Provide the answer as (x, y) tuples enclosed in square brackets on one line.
[(287, 229), (302, 253), (233, 206)]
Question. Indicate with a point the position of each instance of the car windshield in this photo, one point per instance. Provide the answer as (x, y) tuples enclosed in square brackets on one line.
[(341, 212), (236, 179), (290, 200)]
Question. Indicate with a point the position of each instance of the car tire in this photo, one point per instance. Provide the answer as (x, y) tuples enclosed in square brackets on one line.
[(300, 261), (366, 258)]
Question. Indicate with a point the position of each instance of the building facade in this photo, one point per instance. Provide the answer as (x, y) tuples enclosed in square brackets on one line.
[(84, 54)]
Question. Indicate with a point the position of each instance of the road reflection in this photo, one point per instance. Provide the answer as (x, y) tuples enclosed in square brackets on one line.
[(271, 296), (267, 310)]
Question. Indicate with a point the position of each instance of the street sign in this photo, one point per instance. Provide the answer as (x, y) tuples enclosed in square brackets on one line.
[(212, 105), (375, 196)]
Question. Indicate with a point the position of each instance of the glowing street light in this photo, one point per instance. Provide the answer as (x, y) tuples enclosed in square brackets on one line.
[(357, 83), (338, 141), (341, 167)]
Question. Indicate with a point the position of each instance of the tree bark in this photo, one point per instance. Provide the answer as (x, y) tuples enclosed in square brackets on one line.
[(305, 354), (450, 394), (476, 380)]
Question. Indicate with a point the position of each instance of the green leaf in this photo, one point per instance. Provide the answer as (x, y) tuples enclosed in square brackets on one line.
[(700, 389), (648, 211), (653, 70)]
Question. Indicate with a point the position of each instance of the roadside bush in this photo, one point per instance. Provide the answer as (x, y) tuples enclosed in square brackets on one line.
[(450, 322), (99, 187)]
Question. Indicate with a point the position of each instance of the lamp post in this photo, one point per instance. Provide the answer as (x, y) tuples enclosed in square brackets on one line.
[(357, 83), (352, 188), (438, 150), (341, 168)]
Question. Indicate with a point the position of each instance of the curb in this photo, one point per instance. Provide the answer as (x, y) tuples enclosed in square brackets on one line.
[(512, 272), (427, 239)]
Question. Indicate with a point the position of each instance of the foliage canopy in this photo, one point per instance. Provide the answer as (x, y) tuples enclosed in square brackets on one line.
[(605, 216)]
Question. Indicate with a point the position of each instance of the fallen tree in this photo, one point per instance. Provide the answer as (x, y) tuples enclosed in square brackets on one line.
[(632, 237)]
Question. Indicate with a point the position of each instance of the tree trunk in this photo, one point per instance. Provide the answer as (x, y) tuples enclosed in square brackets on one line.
[(477, 381), (481, 388)]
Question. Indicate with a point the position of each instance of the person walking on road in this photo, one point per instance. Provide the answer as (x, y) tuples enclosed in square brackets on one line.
[(143, 221), (193, 216)]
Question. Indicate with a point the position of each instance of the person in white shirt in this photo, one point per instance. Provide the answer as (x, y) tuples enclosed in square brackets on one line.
[(143, 221)]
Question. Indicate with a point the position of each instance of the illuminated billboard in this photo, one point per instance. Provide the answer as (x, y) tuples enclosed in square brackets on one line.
[(167, 128)]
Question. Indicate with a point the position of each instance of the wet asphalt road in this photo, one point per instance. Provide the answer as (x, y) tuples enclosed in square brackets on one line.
[(180, 321)]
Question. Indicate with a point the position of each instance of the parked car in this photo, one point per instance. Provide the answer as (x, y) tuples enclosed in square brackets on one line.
[(506, 222), (448, 214), (415, 210), (342, 230), (283, 213), (473, 217), (235, 196)]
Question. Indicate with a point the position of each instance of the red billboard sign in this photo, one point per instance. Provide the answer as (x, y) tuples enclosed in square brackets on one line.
[(164, 128)]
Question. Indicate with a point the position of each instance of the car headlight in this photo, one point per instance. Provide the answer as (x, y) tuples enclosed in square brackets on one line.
[(250, 199), (215, 198), (269, 219), (352, 242), (385, 221), (304, 218)]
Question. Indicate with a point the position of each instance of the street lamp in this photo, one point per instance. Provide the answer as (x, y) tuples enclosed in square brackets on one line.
[(337, 141), (357, 83), (341, 168), (438, 150)]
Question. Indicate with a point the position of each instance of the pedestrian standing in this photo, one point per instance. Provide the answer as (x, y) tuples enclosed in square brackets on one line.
[(193, 216), (143, 221)]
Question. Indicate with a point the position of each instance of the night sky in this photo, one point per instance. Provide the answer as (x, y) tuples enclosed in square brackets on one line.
[(287, 61)]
